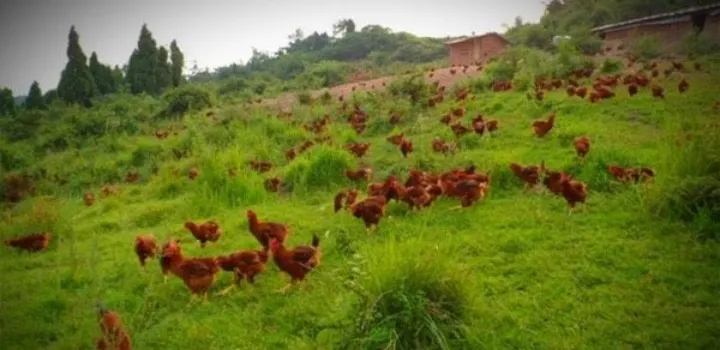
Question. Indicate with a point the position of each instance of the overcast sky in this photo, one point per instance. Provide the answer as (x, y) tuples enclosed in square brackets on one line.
[(33, 33)]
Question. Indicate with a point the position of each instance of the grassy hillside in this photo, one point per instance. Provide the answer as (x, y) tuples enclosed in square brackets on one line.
[(513, 271)]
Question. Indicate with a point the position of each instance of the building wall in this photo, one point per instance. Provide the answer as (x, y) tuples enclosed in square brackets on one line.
[(671, 36), (477, 50), (490, 46), (712, 27), (461, 53)]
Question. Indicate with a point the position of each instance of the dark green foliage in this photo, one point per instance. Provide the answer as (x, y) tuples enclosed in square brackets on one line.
[(576, 17), (185, 99), (35, 98), (178, 62), (76, 81), (141, 74), (413, 88), (7, 102), (50, 96), (103, 76), (163, 71)]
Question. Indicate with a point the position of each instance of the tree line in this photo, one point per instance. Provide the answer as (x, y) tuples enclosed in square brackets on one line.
[(151, 69)]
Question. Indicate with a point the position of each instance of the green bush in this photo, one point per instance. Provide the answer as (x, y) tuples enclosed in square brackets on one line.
[(413, 88), (700, 45), (185, 99), (303, 97), (611, 66), (646, 48)]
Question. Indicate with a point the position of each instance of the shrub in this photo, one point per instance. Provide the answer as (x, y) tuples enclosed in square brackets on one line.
[(406, 303), (414, 88), (185, 99), (303, 97), (700, 45), (611, 66), (646, 48)]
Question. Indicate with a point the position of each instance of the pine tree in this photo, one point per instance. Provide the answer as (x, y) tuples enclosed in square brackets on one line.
[(102, 75), (163, 71), (50, 96), (118, 77), (7, 103), (35, 98), (143, 63), (178, 62), (76, 81)]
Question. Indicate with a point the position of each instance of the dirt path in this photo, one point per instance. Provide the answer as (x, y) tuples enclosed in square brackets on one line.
[(443, 76)]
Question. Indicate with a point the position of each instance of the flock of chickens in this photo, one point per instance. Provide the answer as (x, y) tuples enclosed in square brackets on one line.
[(418, 191)]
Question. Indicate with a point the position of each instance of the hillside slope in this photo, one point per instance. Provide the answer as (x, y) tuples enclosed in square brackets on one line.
[(512, 271)]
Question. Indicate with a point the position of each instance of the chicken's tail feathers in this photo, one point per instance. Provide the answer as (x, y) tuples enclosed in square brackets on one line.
[(315, 241)]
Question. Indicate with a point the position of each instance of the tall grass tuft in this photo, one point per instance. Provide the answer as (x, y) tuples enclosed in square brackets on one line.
[(688, 182), (411, 296), (319, 168)]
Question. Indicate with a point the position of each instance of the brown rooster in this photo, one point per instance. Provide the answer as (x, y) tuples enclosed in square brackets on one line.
[(31, 243), (207, 232), (298, 261), (193, 173), (198, 274), (396, 139), (542, 127)]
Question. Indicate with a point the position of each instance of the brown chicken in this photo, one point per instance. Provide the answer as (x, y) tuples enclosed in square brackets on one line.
[(396, 139), (363, 174), (89, 198), (132, 176), (264, 230), (542, 127), (298, 261), (108, 190), (658, 91), (530, 174), (198, 274), (358, 149), (554, 182), (273, 184), (459, 130), (114, 336), (31, 243), (370, 210), (245, 264), (260, 167), (349, 196), (193, 173), (574, 192), (632, 90), (406, 147), (417, 197), (683, 86), (145, 248), (582, 146), (207, 232)]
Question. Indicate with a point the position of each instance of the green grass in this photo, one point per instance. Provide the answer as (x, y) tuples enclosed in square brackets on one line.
[(513, 271)]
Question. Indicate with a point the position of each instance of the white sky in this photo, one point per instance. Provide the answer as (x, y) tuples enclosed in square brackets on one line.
[(33, 33)]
